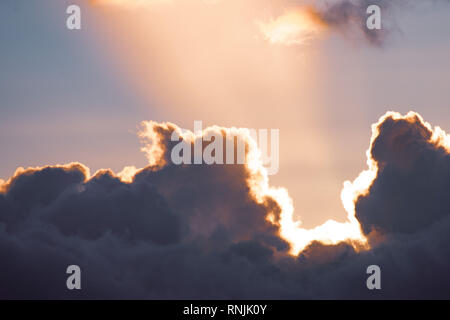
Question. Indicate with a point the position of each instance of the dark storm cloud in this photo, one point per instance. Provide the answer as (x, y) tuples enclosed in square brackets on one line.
[(195, 231)]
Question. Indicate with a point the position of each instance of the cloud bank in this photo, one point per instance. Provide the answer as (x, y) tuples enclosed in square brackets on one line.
[(215, 231)]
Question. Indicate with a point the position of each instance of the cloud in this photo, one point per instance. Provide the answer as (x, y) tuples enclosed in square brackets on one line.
[(168, 217), (215, 231), (294, 27), (410, 192)]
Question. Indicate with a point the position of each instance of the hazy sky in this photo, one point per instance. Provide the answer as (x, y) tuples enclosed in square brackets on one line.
[(80, 95)]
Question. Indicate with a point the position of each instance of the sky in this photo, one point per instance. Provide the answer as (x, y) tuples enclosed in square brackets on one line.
[(80, 96), (81, 92)]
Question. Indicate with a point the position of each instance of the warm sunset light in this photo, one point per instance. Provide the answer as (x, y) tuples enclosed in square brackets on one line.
[(295, 27)]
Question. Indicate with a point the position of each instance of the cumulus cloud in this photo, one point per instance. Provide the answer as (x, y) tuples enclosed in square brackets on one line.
[(168, 217), (214, 231)]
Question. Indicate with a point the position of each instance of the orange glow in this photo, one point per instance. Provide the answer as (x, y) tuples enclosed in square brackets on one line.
[(2, 186), (200, 61), (292, 28), (127, 174)]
